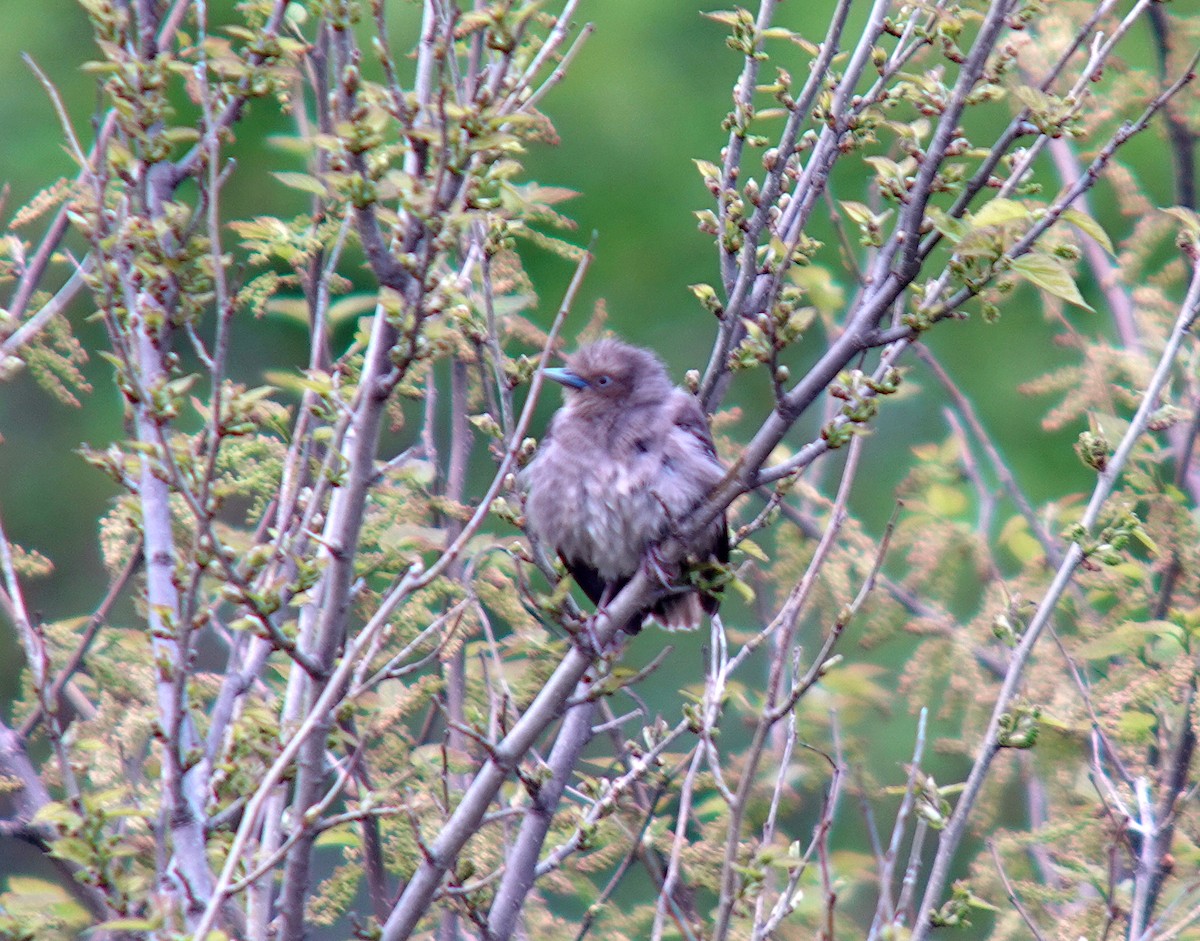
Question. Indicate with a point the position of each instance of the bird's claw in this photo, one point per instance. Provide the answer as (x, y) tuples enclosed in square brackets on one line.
[(659, 569), (591, 638)]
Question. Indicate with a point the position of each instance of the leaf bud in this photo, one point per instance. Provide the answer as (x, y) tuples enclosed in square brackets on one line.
[(1093, 449)]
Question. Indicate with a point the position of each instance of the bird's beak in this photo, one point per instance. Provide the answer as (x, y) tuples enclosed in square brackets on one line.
[(565, 377)]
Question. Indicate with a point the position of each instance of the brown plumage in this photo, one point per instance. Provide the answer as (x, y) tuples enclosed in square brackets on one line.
[(626, 461)]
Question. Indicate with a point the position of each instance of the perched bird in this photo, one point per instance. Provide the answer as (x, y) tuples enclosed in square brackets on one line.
[(626, 461)]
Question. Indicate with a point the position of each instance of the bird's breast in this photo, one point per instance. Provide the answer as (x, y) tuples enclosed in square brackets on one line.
[(598, 510)]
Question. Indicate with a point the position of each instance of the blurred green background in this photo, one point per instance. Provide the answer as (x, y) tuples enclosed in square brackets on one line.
[(645, 97)]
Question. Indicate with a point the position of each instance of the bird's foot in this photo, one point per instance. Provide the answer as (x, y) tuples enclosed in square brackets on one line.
[(595, 649), (659, 568), (583, 636), (590, 637)]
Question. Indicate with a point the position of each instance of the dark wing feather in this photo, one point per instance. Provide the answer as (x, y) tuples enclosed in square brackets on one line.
[(690, 417), (586, 578), (594, 587)]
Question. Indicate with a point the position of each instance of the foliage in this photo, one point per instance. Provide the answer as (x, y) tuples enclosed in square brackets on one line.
[(332, 684)]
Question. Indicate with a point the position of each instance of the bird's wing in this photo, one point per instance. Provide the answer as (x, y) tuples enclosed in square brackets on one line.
[(689, 416), (590, 581)]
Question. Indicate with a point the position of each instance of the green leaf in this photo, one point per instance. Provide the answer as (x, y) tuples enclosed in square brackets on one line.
[(338, 836), (302, 182), (753, 550), (291, 308), (859, 213), (1016, 537), (58, 814), (1128, 639), (724, 17), (884, 166), (946, 501), (1051, 275), (744, 590), (951, 228), (1032, 98), (1000, 211), (36, 903), (1191, 221), (1145, 541), (351, 306), (128, 924), (312, 381), (1088, 225), (820, 288), (859, 684), (1113, 427)]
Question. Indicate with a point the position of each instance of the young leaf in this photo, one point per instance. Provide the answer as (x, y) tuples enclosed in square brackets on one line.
[(1000, 211), (302, 182), (1088, 225), (1051, 275), (1189, 218)]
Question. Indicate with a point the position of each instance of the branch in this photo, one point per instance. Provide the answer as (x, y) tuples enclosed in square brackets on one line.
[(521, 859), (955, 830)]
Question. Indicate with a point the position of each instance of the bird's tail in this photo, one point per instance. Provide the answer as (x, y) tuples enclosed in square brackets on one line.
[(681, 612)]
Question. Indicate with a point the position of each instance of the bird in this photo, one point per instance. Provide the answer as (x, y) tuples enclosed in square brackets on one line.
[(626, 461)]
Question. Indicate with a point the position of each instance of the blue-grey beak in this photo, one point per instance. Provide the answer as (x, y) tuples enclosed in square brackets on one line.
[(565, 377)]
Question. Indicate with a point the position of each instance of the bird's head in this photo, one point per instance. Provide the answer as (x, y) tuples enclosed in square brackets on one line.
[(608, 373)]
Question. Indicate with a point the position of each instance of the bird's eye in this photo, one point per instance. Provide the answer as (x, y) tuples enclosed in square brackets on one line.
[(604, 381)]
